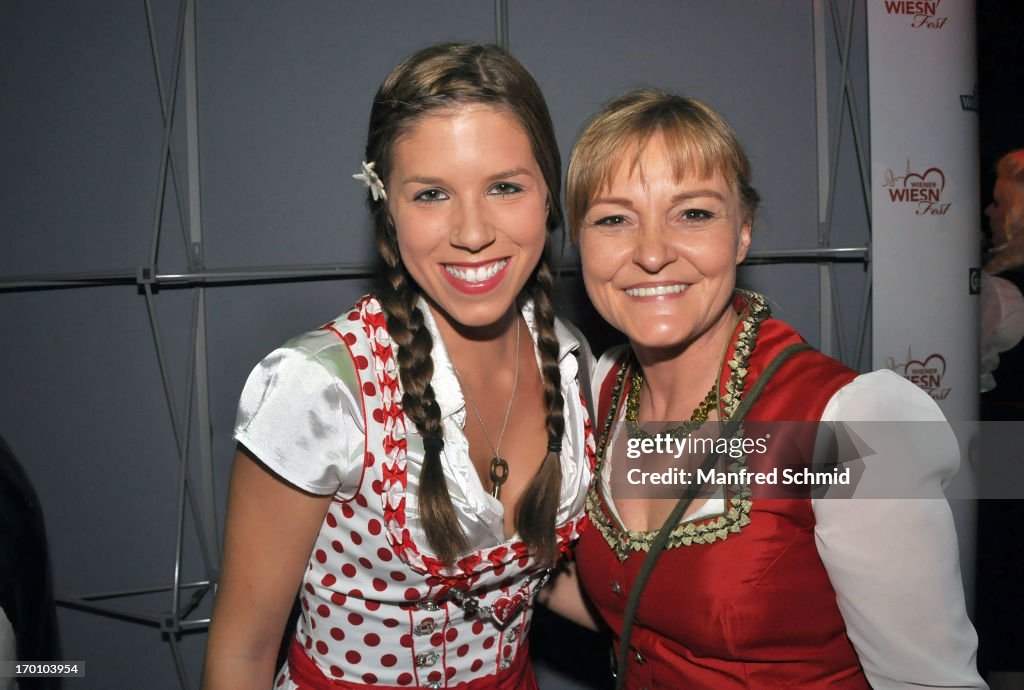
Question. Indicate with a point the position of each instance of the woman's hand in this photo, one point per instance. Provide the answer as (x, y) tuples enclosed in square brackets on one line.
[(565, 597)]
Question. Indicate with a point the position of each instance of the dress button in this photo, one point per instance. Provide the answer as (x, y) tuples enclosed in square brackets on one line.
[(512, 635), (616, 588), (424, 627), (426, 659), (432, 684), (428, 605), (505, 663), (638, 657)]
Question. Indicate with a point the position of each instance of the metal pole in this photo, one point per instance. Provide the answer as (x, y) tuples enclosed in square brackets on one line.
[(825, 179), (155, 53), (207, 520), (844, 52), (183, 476), (851, 102), (116, 594), (865, 315), (168, 392), (179, 663), (232, 276), (172, 97), (501, 23)]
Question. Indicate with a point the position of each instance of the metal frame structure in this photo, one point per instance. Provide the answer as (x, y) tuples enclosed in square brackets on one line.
[(197, 497), (828, 165)]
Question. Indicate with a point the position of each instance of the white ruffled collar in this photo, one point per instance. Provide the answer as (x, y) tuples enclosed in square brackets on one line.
[(446, 386)]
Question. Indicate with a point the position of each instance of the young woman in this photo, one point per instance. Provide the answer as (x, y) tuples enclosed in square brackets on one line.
[(415, 468), (754, 588)]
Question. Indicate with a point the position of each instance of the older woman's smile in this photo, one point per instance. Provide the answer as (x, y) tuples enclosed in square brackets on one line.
[(657, 290)]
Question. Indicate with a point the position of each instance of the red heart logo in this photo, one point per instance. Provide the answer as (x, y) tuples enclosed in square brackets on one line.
[(932, 178), (927, 374)]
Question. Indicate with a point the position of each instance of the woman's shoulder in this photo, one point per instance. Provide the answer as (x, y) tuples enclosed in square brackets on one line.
[(336, 343), (300, 412), (882, 395), (325, 359), (775, 335), (908, 447)]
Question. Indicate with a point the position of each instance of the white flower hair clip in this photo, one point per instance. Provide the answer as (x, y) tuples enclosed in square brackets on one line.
[(370, 179)]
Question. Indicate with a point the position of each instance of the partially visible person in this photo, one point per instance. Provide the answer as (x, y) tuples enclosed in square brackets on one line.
[(1002, 305), (28, 617), (415, 468), (752, 590), (1001, 522)]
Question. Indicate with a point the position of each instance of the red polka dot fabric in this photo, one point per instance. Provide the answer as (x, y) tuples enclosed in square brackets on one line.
[(377, 607)]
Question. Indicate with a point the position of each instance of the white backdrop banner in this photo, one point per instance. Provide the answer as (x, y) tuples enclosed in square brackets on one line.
[(924, 176), (925, 232)]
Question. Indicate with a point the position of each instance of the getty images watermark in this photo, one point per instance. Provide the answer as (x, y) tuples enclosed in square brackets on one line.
[(837, 460), (682, 450), (833, 460)]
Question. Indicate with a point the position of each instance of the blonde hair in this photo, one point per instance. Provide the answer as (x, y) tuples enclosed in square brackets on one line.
[(700, 142), (1011, 253), (1011, 168)]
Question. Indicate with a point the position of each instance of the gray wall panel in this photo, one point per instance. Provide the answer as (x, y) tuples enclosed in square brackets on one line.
[(83, 409), (751, 61), (285, 99), (81, 127), (754, 62)]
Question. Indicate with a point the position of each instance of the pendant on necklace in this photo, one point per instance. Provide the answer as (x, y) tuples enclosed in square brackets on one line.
[(499, 473)]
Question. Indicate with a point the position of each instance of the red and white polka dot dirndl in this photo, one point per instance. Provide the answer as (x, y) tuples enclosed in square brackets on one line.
[(324, 412)]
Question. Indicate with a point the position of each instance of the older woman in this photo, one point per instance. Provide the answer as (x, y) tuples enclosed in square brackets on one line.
[(751, 589)]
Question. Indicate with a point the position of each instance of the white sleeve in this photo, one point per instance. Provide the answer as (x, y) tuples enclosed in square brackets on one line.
[(893, 561), (1002, 324), (585, 357), (300, 419)]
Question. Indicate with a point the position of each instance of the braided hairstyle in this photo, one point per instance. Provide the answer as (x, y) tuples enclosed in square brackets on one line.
[(439, 78)]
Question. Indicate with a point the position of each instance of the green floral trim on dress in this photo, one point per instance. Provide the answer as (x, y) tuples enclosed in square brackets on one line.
[(703, 530)]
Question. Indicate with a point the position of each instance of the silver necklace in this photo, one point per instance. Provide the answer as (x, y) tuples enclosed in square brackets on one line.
[(498, 467)]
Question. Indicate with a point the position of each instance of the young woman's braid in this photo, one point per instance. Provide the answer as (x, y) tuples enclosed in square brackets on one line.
[(439, 78), (397, 296), (537, 511)]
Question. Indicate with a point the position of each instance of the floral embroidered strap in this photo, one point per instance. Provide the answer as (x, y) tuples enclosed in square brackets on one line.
[(737, 512)]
